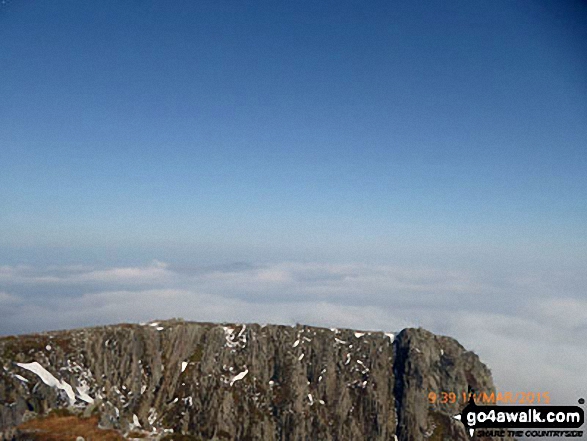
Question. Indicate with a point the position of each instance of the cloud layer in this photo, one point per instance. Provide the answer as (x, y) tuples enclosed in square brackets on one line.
[(531, 329)]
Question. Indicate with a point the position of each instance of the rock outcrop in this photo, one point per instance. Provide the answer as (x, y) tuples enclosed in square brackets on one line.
[(242, 382)]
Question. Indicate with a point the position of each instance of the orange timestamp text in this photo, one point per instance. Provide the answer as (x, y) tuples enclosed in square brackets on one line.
[(444, 397)]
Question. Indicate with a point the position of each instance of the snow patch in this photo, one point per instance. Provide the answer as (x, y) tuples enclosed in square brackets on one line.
[(152, 416), (365, 368), (82, 393), (184, 365), (242, 333), (235, 341), (49, 379), (239, 376)]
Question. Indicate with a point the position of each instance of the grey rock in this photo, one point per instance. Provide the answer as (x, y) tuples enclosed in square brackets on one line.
[(245, 382)]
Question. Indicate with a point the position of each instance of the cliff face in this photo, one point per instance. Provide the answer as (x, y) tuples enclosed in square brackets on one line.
[(242, 382)]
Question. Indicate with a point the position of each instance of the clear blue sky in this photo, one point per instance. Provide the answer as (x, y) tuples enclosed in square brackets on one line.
[(291, 129)]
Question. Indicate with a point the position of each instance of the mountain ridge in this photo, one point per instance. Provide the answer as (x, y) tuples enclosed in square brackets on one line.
[(242, 381)]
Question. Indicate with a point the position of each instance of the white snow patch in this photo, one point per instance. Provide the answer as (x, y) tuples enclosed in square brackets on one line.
[(135, 420), (359, 334), (296, 343), (366, 369), (82, 393), (390, 335), (239, 376), (152, 416), (301, 357), (49, 379), (229, 337), (184, 365), (159, 328), (154, 324), (311, 399), (21, 378), (48, 347)]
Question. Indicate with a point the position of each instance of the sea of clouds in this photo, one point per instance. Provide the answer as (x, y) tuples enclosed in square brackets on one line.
[(529, 327)]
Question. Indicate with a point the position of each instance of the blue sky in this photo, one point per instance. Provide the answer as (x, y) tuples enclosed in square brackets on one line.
[(292, 124), (334, 138)]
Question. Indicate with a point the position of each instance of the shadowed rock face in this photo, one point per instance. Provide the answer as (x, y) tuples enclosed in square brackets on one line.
[(242, 382)]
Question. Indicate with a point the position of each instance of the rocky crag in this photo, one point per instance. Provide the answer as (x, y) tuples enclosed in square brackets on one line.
[(201, 381)]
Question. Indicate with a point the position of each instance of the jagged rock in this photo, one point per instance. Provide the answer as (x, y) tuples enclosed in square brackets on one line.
[(243, 382)]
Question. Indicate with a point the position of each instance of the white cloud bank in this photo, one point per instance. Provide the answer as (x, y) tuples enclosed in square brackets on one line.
[(532, 333)]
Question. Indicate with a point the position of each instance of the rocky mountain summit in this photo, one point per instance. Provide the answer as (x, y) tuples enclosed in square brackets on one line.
[(177, 380)]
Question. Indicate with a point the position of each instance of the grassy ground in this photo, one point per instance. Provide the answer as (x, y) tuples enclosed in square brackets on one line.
[(67, 428)]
